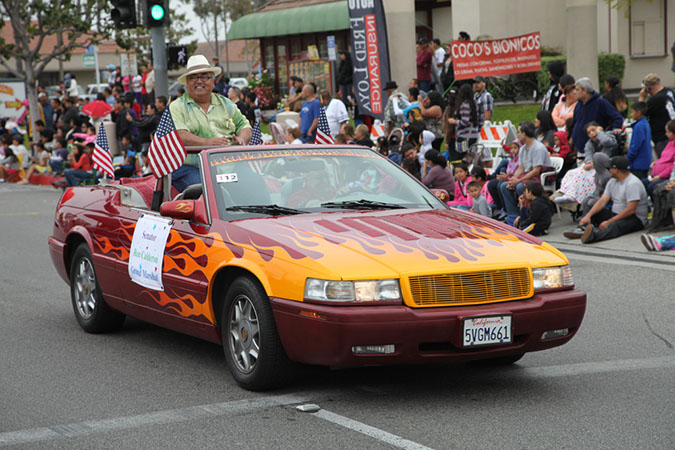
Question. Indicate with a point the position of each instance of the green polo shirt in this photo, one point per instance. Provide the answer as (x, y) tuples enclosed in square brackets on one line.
[(222, 119)]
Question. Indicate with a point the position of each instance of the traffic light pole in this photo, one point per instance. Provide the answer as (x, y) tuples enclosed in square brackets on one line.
[(159, 62)]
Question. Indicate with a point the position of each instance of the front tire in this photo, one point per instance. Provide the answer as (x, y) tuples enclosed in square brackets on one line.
[(91, 311), (253, 350)]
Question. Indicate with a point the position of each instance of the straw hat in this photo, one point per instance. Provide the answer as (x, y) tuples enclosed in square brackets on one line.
[(198, 64)]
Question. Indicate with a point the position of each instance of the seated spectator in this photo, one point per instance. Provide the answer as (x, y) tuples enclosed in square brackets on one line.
[(411, 163), (58, 157), (662, 167), (533, 158), (9, 166), (426, 139), (20, 151), (293, 136), (663, 199), (362, 136), (461, 199), (658, 244), (435, 172), (480, 176), (348, 131), (561, 149), (511, 165), (431, 109), (127, 148), (145, 164), (39, 164), (545, 128), (629, 206), (80, 166), (86, 137), (339, 139), (127, 169), (480, 204), (615, 95), (536, 217), (579, 183), (565, 109), (640, 150)]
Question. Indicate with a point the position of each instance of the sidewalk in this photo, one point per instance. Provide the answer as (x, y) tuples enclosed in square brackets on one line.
[(628, 246)]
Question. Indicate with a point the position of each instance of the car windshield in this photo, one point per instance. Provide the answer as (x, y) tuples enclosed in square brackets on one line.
[(298, 181)]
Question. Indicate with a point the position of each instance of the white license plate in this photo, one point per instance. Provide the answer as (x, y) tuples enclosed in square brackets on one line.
[(486, 330)]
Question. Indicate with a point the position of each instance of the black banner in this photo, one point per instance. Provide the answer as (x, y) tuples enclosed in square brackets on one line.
[(370, 55)]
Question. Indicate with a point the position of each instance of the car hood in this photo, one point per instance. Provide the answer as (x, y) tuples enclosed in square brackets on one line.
[(392, 243)]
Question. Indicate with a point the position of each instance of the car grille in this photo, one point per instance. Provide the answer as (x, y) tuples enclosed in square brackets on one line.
[(471, 287)]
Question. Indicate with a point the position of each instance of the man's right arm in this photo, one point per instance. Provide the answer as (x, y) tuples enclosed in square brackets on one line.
[(599, 205), (190, 139)]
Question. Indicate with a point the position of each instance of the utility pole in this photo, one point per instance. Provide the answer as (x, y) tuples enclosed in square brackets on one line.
[(159, 62)]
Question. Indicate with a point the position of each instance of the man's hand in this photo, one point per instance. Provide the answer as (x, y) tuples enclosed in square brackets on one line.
[(604, 225), (222, 140), (585, 221), (515, 222), (512, 183), (237, 140), (617, 131), (501, 177)]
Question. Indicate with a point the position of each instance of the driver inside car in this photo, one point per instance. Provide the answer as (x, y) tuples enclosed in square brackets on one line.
[(316, 190)]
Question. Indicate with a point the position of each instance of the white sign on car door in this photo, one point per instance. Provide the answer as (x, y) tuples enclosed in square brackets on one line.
[(147, 251)]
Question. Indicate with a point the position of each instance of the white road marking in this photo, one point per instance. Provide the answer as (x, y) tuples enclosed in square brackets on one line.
[(373, 432), (143, 420), (222, 409)]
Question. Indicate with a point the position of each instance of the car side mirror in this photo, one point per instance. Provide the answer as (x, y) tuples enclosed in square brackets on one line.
[(178, 209)]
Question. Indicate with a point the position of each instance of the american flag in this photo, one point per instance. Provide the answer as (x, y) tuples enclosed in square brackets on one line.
[(101, 159), (166, 152), (323, 130), (256, 137)]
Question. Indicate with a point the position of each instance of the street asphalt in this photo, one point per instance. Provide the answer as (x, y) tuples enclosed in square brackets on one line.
[(612, 386)]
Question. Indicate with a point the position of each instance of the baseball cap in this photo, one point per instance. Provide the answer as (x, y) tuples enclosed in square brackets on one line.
[(618, 162), (479, 79)]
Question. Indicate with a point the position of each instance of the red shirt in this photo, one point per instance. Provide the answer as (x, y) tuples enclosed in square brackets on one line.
[(424, 65), (83, 164), (143, 90)]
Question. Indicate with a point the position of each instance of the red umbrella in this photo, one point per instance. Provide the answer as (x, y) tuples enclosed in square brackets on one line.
[(97, 108)]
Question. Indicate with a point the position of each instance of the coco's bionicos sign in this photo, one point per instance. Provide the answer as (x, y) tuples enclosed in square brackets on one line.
[(497, 57)]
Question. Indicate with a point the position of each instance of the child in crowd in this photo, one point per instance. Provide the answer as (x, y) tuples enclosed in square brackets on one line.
[(59, 155), (39, 164), (127, 169), (348, 131), (410, 162), (640, 150), (480, 204), (535, 218), (9, 165), (658, 244), (340, 139), (479, 175), (145, 165), (426, 139), (462, 178), (127, 148)]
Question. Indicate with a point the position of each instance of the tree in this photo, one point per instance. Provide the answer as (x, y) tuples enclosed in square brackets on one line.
[(32, 21)]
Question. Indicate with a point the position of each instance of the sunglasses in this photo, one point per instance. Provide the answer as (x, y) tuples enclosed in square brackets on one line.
[(202, 77)]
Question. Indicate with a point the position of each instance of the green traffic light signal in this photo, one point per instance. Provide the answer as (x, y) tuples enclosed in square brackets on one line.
[(157, 12)]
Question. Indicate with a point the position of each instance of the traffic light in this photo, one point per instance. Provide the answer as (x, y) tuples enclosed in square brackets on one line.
[(123, 13), (156, 13)]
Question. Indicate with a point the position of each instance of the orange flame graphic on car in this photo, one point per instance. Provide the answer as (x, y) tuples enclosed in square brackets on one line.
[(185, 306)]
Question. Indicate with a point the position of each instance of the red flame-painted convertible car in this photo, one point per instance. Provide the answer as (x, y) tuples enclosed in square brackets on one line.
[(316, 254)]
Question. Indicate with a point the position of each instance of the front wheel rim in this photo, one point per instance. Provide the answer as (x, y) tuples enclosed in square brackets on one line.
[(244, 334), (85, 289)]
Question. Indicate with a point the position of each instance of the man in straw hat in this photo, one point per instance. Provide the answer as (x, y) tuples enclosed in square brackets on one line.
[(204, 118)]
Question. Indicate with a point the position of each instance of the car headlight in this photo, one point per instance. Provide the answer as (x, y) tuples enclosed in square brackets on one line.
[(353, 291), (552, 277)]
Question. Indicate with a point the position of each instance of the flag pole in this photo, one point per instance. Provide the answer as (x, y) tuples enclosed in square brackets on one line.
[(157, 195)]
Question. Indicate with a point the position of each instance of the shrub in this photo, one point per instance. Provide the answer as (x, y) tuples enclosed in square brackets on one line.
[(610, 64), (267, 98)]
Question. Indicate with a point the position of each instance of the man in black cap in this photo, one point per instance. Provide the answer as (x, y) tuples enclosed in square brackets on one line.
[(556, 69), (484, 101), (391, 120), (629, 206)]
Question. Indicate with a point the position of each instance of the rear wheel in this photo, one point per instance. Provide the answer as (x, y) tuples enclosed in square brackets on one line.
[(253, 350), (91, 311)]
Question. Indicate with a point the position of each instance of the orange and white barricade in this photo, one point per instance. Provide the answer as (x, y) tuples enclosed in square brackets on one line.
[(493, 134), (377, 130)]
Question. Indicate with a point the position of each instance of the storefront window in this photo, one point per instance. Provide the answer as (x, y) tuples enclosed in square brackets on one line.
[(323, 47), (269, 59), (296, 50)]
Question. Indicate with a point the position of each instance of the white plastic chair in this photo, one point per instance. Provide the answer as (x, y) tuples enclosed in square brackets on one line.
[(557, 163)]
